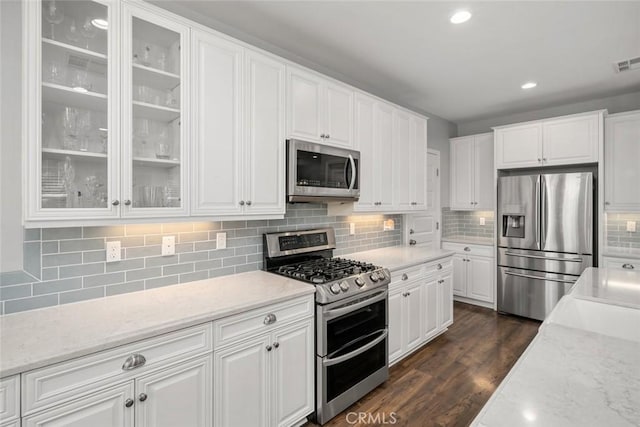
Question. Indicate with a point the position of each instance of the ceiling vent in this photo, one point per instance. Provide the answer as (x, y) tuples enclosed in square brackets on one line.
[(627, 65)]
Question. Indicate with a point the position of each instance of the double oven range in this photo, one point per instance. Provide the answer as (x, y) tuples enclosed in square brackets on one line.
[(351, 315)]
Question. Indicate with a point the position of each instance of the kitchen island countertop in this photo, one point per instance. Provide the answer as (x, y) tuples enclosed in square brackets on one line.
[(37, 338), (399, 257)]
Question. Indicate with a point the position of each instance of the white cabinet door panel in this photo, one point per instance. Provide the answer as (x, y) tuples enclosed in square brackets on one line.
[(338, 115), (402, 170), (217, 139), (460, 275), (413, 315), (364, 142), (264, 135), (445, 298), (519, 146), (431, 307), (241, 384), (104, 409), (570, 140), (483, 176), (418, 156), (395, 324), (462, 173), (383, 137), (480, 278), (180, 395), (303, 106), (621, 162), (293, 373)]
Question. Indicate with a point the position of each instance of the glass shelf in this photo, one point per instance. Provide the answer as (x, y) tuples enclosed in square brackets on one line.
[(151, 162), (55, 153), (67, 48), (160, 113), (65, 95), (154, 77)]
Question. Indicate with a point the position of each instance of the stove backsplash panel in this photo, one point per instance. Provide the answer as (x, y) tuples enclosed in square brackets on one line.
[(64, 265)]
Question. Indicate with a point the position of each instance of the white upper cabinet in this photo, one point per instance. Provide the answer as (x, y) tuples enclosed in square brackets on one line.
[(364, 129), (383, 154), (319, 109), (472, 172), (564, 140), (622, 162), (238, 132), (402, 162), (418, 159)]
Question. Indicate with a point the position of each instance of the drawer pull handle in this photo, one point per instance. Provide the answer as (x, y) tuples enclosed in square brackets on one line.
[(134, 361), (128, 403), (142, 397), (439, 266), (405, 277), (628, 266), (270, 319)]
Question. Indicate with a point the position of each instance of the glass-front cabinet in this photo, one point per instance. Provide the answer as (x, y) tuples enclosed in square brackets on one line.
[(104, 102), (154, 57)]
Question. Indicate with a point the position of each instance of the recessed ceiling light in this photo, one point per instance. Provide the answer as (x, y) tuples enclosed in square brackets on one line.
[(529, 85), (103, 24), (460, 16)]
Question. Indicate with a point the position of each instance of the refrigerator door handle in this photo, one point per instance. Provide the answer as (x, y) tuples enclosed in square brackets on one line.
[(546, 279), (544, 212), (544, 257), (536, 223)]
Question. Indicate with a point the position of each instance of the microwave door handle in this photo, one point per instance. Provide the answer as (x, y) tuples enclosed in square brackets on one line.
[(353, 172)]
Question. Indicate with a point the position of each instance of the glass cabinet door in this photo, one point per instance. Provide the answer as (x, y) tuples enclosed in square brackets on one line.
[(154, 88), (75, 164)]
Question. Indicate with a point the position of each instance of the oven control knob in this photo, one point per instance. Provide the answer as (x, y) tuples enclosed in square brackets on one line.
[(360, 282), (335, 288), (344, 286), (373, 277), (381, 275)]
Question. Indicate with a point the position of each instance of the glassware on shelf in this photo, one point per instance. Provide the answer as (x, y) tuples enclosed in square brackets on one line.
[(70, 128), (79, 80), (92, 198), (170, 99), (143, 93), (84, 129), (54, 72), (53, 15), (69, 176), (88, 31), (144, 57), (73, 34), (161, 60), (163, 149)]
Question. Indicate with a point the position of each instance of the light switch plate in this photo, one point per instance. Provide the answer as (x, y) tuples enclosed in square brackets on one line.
[(113, 251), (221, 240), (482, 222), (352, 228), (168, 245), (631, 226)]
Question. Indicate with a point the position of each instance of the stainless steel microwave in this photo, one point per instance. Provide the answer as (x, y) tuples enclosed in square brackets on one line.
[(320, 173)]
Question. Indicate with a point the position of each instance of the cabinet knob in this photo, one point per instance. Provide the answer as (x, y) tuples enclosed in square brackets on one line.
[(142, 397), (322, 135), (115, 202), (270, 319), (134, 361), (628, 266), (241, 202), (607, 203), (439, 266), (467, 249), (471, 203), (276, 344), (412, 242), (269, 348), (248, 202), (404, 276), (328, 136), (539, 159), (544, 159), (127, 202), (128, 403), (411, 231)]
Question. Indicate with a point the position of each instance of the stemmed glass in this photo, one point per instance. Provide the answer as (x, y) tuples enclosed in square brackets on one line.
[(54, 16), (88, 31), (72, 32)]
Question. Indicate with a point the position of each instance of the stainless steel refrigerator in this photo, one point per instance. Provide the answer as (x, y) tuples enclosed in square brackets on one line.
[(545, 239)]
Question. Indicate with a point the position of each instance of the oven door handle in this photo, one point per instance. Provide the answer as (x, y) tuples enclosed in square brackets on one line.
[(339, 311), (383, 335)]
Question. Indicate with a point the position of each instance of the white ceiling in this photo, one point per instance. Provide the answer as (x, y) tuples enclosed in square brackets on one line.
[(411, 53)]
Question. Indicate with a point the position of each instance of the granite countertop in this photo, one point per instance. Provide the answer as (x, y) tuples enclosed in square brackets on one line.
[(472, 240), (616, 252), (573, 375), (398, 257), (37, 338)]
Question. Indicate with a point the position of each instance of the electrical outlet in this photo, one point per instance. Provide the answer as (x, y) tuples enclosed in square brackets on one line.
[(352, 228), (113, 251), (388, 225), (482, 220), (221, 240), (168, 245), (631, 226)]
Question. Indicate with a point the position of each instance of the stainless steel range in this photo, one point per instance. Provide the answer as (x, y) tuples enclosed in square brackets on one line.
[(351, 315)]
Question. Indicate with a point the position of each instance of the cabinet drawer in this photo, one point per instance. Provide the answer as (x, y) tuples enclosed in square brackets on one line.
[(480, 250), (405, 275), (68, 380), (230, 329), (622, 263), (10, 400), (437, 267)]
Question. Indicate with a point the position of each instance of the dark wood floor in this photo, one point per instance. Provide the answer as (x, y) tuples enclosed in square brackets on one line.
[(449, 380)]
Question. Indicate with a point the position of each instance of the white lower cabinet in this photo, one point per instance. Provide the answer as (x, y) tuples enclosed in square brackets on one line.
[(10, 401), (630, 264), (420, 306), (473, 273), (266, 380)]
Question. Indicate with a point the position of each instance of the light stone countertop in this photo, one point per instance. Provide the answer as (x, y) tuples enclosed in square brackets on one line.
[(37, 338), (616, 252), (485, 241), (399, 257), (573, 376)]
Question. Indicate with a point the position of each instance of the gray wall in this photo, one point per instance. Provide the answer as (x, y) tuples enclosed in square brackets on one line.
[(467, 223), (10, 136), (72, 267), (615, 104)]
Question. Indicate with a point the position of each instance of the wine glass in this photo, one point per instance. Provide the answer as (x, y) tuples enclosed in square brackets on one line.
[(84, 128), (53, 16), (73, 34), (88, 31), (70, 126)]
